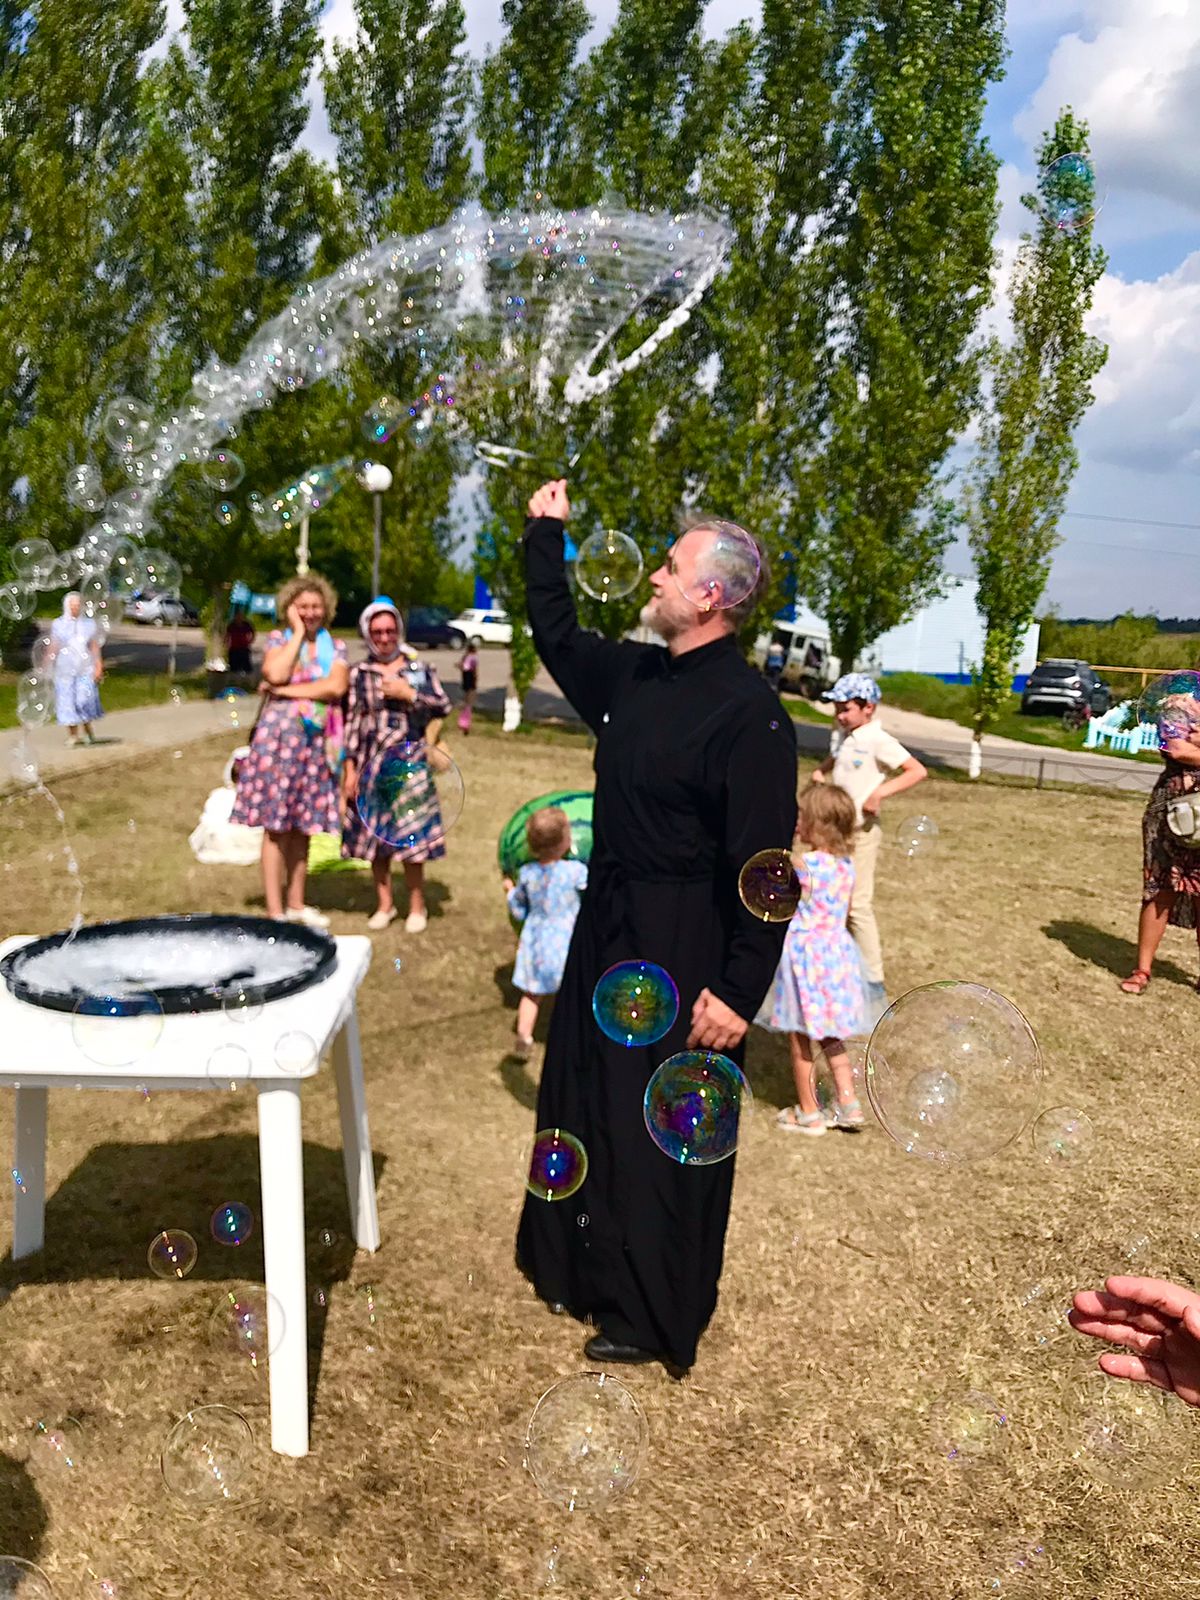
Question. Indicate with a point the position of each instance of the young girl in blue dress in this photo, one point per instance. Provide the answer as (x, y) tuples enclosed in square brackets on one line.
[(545, 898), (817, 993)]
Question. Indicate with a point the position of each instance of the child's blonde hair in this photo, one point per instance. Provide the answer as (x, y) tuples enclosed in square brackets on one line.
[(827, 819), (548, 833)]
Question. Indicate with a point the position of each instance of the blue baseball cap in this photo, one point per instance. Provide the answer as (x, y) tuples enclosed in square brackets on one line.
[(856, 686)]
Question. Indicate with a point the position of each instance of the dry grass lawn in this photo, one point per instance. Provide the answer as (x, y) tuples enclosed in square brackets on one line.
[(862, 1288)]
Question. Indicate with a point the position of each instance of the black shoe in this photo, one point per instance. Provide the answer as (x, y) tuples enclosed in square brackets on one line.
[(601, 1348)]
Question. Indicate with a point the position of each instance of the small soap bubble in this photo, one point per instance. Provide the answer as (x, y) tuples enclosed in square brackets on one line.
[(1127, 1433), (172, 1253), (128, 425), (969, 1427), (56, 1445), (582, 1220), (370, 1306), (324, 1239), (557, 1165), (397, 964), (635, 1003), (715, 566), (240, 1004), (1067, 194), (228, 1066), (207, 1457), (608, 565), (409, 794), (694, 1105), (770, 887), (231, 1223), (1062, 1136), (295, 1054), (117, 1029), (224, 470), (917, 836), (586, 1441), (248, 1323), (381, 419), (19, 1180)]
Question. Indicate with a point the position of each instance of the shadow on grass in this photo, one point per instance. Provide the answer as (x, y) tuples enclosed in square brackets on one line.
[(1114, 954), (769, 1068), (23, 1517), (354, 892), (101, 1218)]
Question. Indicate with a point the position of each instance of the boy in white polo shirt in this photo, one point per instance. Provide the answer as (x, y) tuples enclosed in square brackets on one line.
[(863, 757)]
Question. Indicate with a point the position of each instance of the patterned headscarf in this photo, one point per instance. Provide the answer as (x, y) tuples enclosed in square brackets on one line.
[(380, 607)]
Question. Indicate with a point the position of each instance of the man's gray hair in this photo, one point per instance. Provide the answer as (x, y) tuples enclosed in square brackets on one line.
[(740, 613)]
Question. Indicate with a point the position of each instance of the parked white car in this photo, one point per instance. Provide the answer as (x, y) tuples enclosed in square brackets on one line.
[(157, 609), (483, 627)]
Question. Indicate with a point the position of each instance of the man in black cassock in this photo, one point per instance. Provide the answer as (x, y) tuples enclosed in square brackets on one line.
[(695, 772)]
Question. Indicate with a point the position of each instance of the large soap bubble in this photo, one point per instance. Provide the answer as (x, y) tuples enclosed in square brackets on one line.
[(32, 559), (953, 1072), (408, 794), (1067, 192), (558, 1165), (769, 886), (208, 1457), (635, 1002), (1172, 704), (716, 566), (84, 487), (21, 1580), (128, 425), (694, 1107), (608, 565), (586, 1441)]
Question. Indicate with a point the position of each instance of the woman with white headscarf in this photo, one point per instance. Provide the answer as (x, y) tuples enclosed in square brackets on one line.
[(393, 699), (78, 669)]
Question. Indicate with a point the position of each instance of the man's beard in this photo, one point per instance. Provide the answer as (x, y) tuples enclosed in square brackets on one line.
[(658, 621)]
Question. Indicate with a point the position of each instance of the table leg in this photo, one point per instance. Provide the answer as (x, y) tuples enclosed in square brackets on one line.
[(29, 1159), (356, 1134), (281, 1162)]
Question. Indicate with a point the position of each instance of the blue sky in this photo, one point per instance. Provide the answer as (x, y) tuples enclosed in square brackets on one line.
[(1131, 68)]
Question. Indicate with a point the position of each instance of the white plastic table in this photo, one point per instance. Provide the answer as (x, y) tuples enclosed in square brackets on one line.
[(39, 1053)]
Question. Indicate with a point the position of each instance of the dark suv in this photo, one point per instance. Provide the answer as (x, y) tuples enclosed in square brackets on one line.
[(1062, 685), (428, 626)]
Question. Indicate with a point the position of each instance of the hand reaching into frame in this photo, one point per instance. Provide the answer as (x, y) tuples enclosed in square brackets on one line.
[(551, 501), (1158, 1325)]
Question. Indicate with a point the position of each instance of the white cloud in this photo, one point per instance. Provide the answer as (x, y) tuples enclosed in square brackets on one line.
[(1132, 71)]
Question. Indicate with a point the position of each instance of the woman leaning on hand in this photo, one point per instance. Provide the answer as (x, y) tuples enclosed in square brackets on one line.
[(393, 699), (285, 784)]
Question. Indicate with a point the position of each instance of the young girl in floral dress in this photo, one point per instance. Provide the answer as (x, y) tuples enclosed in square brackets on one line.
[(817, 993), (393, 699)]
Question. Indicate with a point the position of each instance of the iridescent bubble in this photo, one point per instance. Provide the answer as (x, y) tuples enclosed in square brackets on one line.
[(953, 1072), (35, 700), (32, 559), (128, 425), (381, 419), (1021, 1569), (207, 1458), (558, 1165), (1067, 194), (18, 1178), (57, 1446), (367, 1298), (224, 470), (770, 887), (1172, 704), (172, 1253), (21, 1580), (295, 1054), (17, 601), (248, 1323), (635, 1003), (1062, 1136), (715, 566), (586, 1441), (225, 512), (126, 569), (916, 835), (408, 794), (228, 1066), (263, 514), (240, 1004), (1123, 1433), (608, 565), (115, 1030), (694, 1105), (231, 1223), (85, 487), (969, 1427)]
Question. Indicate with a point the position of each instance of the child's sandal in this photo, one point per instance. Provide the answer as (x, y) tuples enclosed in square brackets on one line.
[(792, 1120), (1136, 982)]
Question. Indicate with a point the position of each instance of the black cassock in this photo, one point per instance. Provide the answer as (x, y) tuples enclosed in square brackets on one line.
[(695, 771)]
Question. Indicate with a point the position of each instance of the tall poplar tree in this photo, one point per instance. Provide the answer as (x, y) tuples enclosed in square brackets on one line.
[(907, 255), (1039, 391)]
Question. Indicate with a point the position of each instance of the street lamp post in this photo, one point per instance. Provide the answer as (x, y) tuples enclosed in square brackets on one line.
[(376, 479)]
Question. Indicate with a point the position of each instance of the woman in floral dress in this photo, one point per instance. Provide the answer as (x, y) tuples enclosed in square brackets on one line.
[(286, 785), (393, 699)]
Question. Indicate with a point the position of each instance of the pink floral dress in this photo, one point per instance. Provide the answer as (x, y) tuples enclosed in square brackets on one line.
[(818, 985), (285, 784)]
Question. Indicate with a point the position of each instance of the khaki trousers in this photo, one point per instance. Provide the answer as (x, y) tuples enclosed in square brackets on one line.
[(862, 924)]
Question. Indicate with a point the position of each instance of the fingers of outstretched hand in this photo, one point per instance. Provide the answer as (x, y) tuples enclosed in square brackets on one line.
[(1135, 1369), (1154, 1294), (1144, 1341), (1097, 1305)]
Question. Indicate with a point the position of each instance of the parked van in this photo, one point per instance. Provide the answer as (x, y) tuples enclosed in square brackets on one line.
[(808, 667)]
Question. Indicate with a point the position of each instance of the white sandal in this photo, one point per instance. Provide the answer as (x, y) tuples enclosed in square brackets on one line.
[(792, 1120)]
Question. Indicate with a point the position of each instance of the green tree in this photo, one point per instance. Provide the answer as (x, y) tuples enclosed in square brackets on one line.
[(398, 97), (73, 295), (906, 249), (1040, 389), (527, 119)]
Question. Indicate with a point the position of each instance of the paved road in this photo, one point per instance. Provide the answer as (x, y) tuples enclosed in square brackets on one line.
[(168, 726)]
